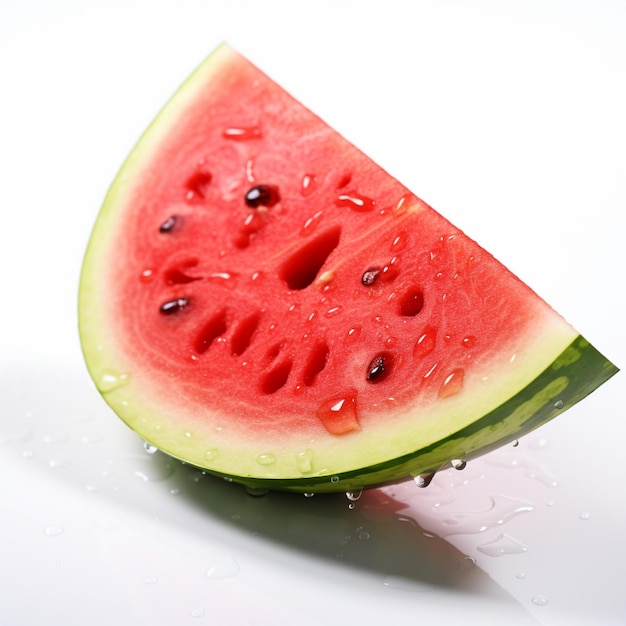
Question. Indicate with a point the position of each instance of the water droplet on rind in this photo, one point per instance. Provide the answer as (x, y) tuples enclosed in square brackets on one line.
[(304, 461), (423, 480), (110, 379)]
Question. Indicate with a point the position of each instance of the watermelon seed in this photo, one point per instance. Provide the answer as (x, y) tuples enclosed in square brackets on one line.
[(379, 368), (412, 302), (262, 195), (168, 225), (213, 328), (173, 306), (303, 266), (370, 275)]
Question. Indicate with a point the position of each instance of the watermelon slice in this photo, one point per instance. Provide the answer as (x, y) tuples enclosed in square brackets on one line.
[(261, 300)]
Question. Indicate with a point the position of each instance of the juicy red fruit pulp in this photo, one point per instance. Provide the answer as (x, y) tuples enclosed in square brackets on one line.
[(298, 289)]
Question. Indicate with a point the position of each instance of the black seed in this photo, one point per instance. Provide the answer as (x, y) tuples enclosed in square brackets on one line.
[(262, 195), (378, 368), (173, 306), (168, 224), (370, 275)]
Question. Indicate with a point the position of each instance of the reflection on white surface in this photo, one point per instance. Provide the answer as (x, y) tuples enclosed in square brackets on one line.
[(508, 118)]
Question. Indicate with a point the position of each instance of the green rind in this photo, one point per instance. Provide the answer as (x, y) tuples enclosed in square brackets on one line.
[(574, 374)]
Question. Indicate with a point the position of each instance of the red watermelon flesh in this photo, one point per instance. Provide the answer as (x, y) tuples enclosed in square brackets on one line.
[(262, 300)]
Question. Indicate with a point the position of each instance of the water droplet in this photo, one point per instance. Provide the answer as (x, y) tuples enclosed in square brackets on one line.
[(503, 544), (149, 448), (58, 462), (469, 341), (242, 133), (53, 530), (256, 492), (558, 404), (223, 566), (339, 414), (334, 479), (353, 496), (151, 468), (539, 600), (425, 343), (353, 334), (109, 380), (304, 461), (585, 515), (352, 506), (209, 455), (197, 613), (308, 184), (356, 202), (150, 580), (308, 494), (520, 575), (423, 480), (267, 458), (458, 464), (452, 384), (311, 224), (467, 563)]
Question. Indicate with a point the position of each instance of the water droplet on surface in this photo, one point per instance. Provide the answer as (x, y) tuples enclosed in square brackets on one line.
[(197, 613), (502, 545), (223, 566), (109, 380), (308, 494), (540, 600), (58, 462), (467, 563), (150, 580), (53, 530), (585, 515), (520, 575), (267, 458)]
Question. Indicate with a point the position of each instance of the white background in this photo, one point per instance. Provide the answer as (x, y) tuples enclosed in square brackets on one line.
[(508, 117)]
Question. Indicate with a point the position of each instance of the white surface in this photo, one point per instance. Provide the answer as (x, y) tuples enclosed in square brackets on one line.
[(509, 119)]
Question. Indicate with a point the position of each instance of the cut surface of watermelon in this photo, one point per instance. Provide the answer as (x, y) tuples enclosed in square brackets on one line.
[(261, 300)]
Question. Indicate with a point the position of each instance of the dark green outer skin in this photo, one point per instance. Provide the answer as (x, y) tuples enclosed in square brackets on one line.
[(578, 371)]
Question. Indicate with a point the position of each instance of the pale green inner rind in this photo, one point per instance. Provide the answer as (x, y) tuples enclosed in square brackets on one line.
[(577, 372)]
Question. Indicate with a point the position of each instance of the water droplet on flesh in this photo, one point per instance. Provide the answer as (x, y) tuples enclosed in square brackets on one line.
[(339, 414), (308, 184), (242, 133), (304, 461), (356, 202)]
